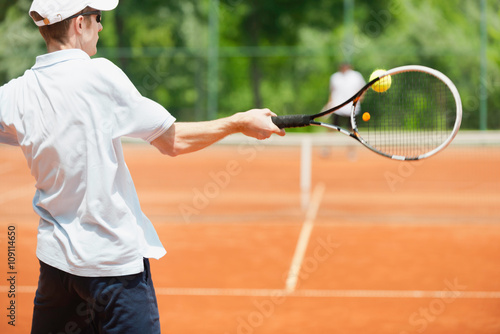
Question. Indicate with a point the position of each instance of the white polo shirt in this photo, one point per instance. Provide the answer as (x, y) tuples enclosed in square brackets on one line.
[(342, 87), (68, 114)]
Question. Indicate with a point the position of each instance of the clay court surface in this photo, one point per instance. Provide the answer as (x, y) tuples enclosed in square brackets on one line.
[(388, 247)]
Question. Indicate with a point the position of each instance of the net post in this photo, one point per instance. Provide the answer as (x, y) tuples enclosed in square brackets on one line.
[(305, 171), (483, 89), (213, 60)]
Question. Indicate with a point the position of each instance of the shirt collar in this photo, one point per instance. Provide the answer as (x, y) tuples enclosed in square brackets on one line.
[(59, 56)]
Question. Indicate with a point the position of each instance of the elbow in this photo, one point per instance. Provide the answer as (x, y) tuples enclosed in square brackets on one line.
[(166, 148), (169, 151), (172, 153), (167, 143)]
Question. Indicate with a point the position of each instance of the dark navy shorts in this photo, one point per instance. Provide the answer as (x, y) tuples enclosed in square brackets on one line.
[(70, 304)]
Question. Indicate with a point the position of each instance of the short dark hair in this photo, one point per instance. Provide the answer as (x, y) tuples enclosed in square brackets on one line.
[(57, 32)]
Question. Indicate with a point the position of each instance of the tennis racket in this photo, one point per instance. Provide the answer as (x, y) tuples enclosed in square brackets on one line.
[(407, 113)]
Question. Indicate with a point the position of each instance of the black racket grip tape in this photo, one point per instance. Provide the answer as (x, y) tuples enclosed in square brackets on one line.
[(291, 121)]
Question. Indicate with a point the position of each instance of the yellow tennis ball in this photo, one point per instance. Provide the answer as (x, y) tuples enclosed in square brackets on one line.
[(383, 84), (366, 116)]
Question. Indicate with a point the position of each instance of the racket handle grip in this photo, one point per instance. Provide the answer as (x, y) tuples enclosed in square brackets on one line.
[(291, 121)]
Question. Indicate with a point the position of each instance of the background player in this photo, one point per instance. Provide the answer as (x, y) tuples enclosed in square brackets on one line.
[(343, 84)]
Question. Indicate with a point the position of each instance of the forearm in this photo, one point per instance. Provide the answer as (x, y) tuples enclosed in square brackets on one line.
[(183, 137)]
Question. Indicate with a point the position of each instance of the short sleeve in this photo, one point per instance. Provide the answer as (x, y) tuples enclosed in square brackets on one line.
[(135, 115)]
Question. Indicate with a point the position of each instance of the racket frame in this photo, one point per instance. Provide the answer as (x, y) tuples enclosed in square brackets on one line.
[(309, 119)]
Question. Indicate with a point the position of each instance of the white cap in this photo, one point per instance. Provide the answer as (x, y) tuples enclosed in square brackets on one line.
[(54, 11)]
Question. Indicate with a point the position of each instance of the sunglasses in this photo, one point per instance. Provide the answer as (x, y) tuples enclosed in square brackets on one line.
[(95, 12)]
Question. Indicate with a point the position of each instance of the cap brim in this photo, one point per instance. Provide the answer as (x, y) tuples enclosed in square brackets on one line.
[(104, 5)]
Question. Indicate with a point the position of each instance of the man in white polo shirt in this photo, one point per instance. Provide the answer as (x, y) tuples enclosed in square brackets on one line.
[(343, 85), (68, 113)]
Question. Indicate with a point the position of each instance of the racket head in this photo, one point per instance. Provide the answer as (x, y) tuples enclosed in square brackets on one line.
[(413, 116)]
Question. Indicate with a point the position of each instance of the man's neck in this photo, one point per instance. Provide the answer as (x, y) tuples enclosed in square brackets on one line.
[(58, 47), (70, 43)]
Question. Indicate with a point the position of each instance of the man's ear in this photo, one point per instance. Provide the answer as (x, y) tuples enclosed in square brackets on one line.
[(79, 24)]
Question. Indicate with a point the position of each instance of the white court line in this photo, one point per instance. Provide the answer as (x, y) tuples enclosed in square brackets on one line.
[(328, 293), (387, 294), (305, 234)]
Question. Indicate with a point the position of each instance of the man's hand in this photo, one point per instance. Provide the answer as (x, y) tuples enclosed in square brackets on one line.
[(257, 123)]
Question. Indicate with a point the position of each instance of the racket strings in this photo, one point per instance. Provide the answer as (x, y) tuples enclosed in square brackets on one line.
[(414, 116)]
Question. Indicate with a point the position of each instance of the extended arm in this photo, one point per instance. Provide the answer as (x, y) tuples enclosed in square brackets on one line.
[(183, 138)]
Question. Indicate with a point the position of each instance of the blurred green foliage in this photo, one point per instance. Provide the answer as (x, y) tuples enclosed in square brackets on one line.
[(277, 54)]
